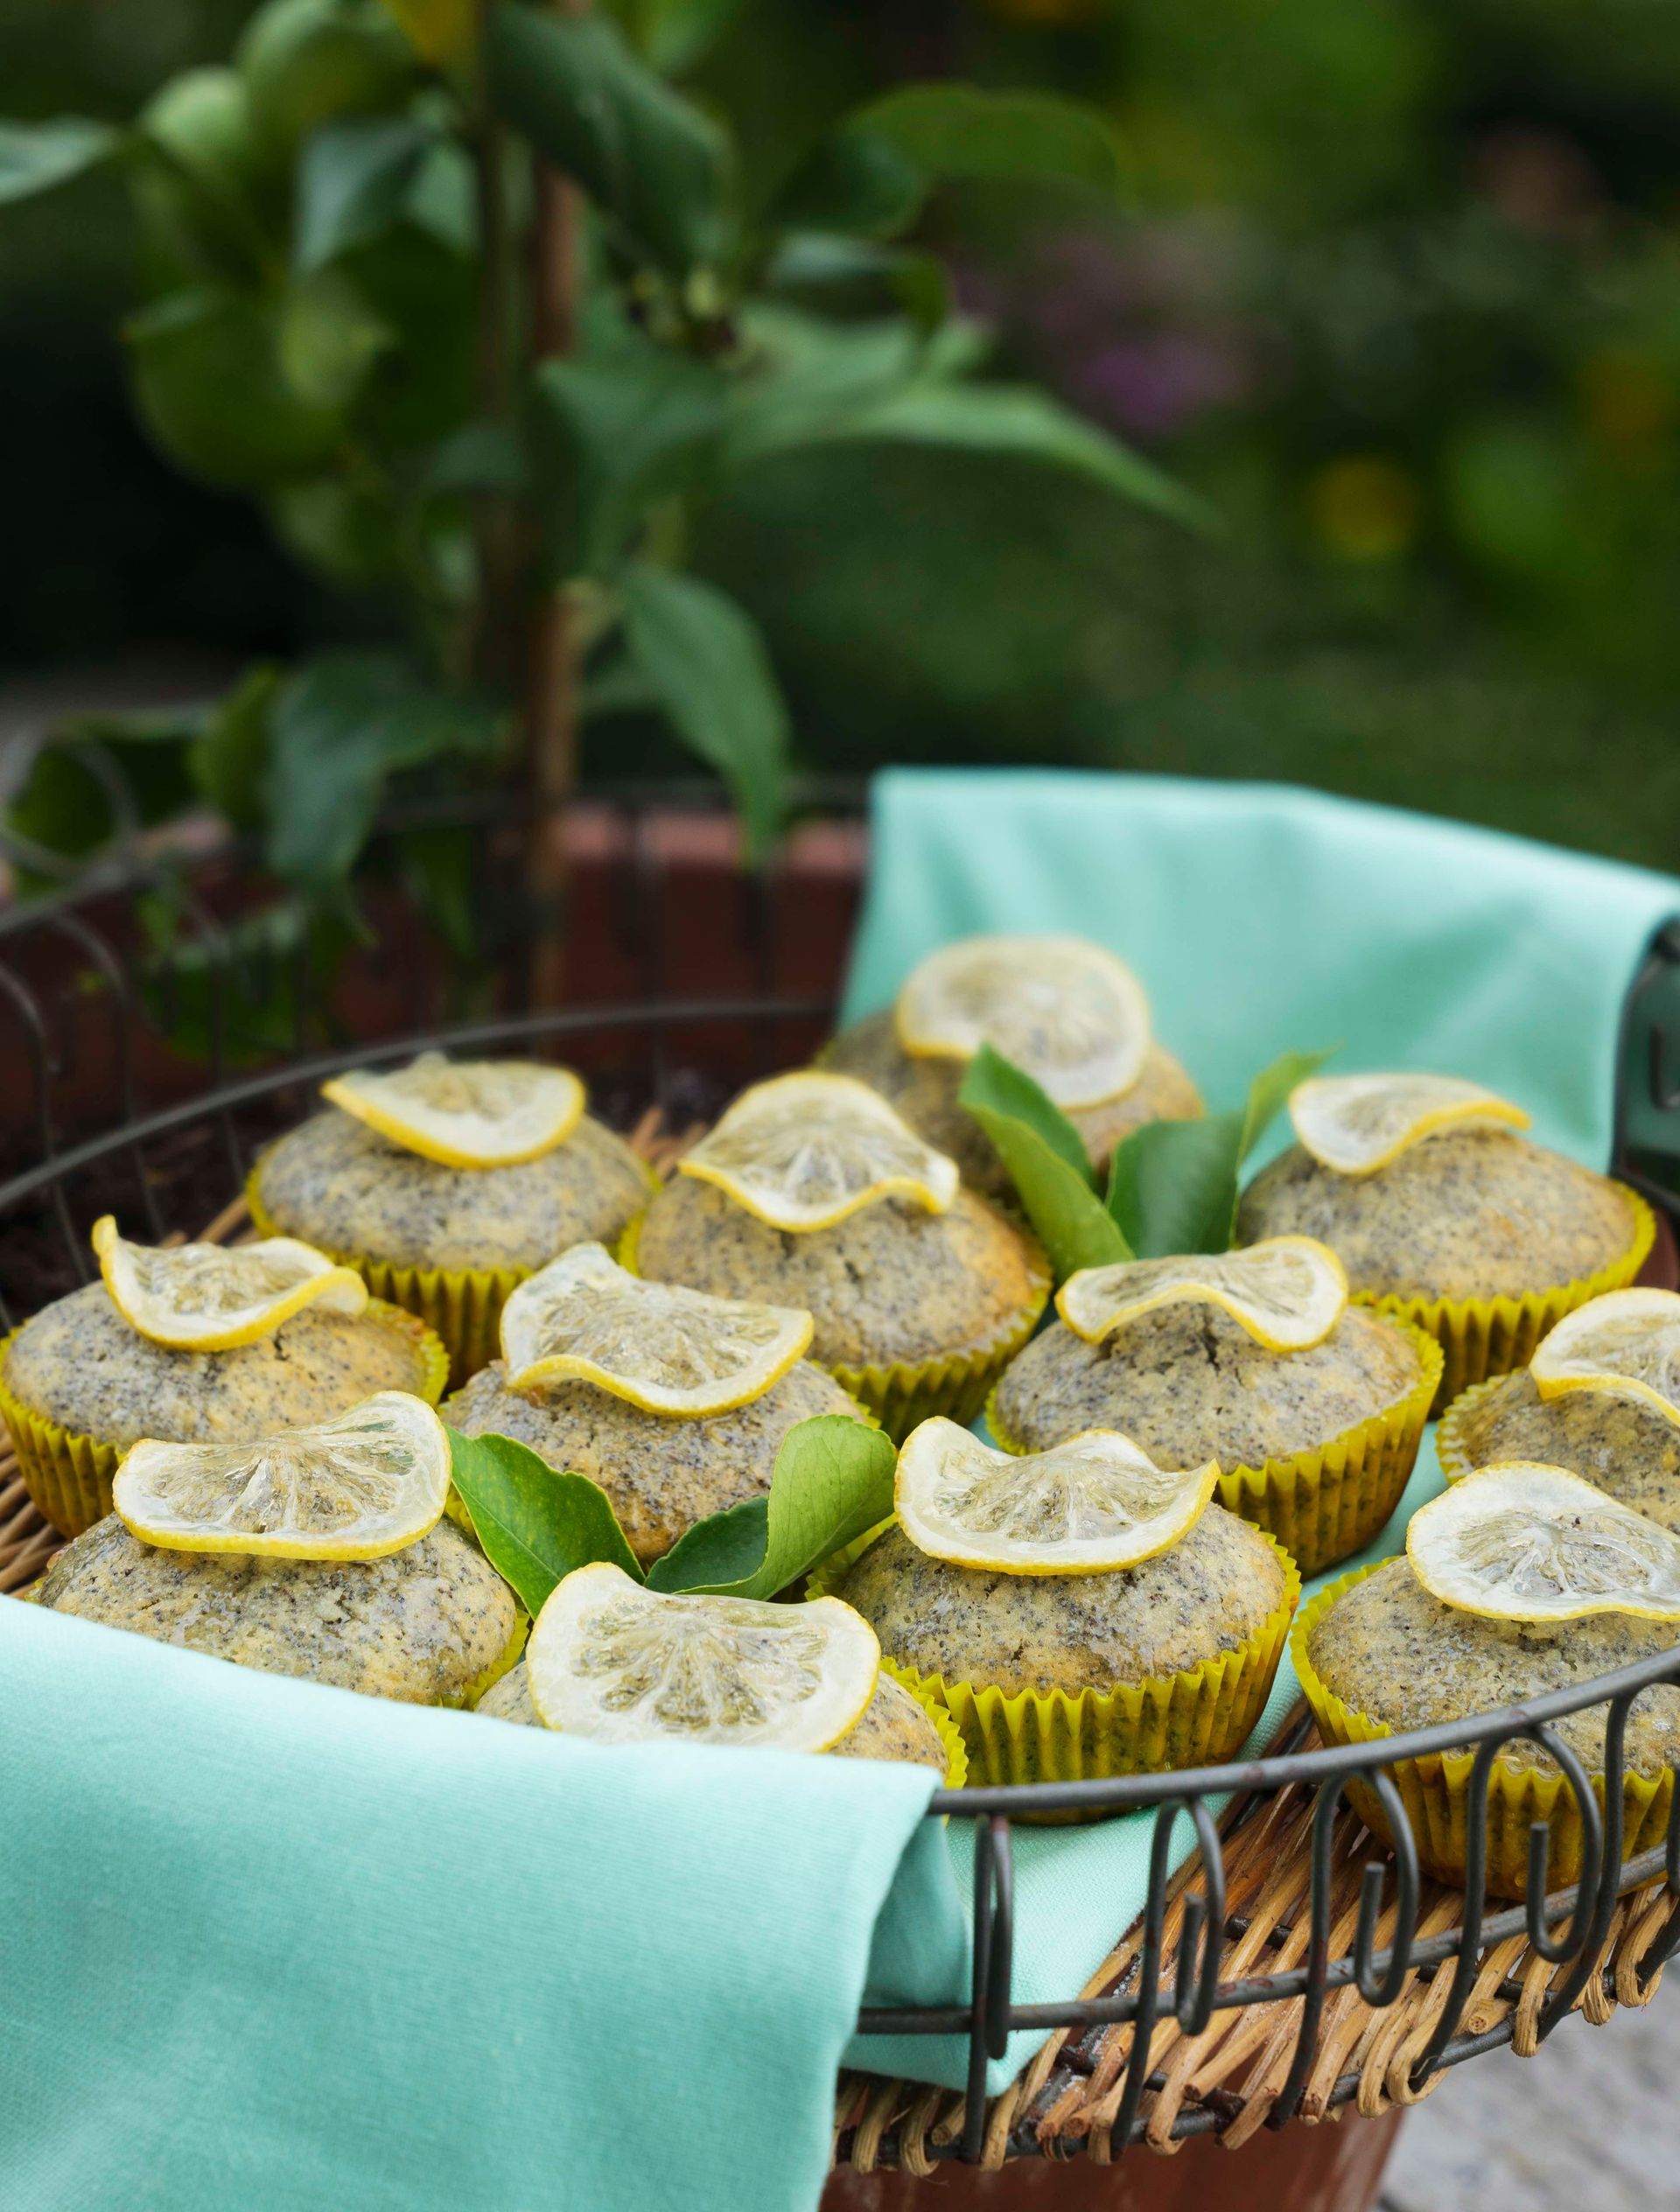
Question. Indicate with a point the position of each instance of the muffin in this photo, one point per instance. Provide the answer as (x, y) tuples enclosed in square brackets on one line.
[(1626, 1448), (1377, 1654), (1315, 1446), (1469, 1231), (916, 1306), (79, 1385), (447, 1241), (432, 1625)]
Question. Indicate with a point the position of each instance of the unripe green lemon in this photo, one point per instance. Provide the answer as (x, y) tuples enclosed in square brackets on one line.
[(305, 62)]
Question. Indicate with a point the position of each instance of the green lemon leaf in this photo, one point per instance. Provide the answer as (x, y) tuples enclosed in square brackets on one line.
[(611, 437), (228, 755), (1046, 1162), (1269, 1092), (953, 130), (535, 1525), (353, 182), (833, 1479), (854, 183), (34, 157)]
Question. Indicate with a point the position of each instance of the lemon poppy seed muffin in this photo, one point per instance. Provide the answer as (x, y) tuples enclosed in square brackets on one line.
[(1625, 1447), (924, 1089), (661, 1472), (424, 1625)]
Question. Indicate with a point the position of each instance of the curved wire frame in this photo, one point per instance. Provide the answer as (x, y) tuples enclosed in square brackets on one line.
[(1565, 1927)]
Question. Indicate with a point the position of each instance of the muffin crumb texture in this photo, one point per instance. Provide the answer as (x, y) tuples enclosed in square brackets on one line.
[(1626, 1448)]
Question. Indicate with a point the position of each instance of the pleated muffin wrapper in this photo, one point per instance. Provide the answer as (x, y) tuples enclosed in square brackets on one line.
[(461, 1305), (1197, 1717), (1485, 1337), (900, 1393), (1436, 1790), (957, 1752), (69, 1475), (1319, 1505), (1451, 1449)]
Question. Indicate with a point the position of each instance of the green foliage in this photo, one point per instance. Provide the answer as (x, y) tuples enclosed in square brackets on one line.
[(36, 157), (1047, 1164), (536, 1526)]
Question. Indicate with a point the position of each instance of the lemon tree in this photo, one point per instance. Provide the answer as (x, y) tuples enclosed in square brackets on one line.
[(368, 1482), (1092, 1504), (1357, 1124), (1523, 1542), (667, 1350), (465, 1113), (1626, 1342), (1068, 1013), (612, 1660), (1287, 1291), (805, 1150), (211, 1297)]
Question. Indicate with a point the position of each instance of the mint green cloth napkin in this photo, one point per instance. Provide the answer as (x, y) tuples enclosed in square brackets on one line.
[(1260, 918), (266, 1945)]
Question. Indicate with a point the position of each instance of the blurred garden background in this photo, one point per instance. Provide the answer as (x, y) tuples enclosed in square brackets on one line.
[(1394, 288)]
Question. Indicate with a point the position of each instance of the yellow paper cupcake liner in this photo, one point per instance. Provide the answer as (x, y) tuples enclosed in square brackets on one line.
[(462, 1305), (68, 1475), (902, 1392), (1322, 1504), (1436, 1790), (1483, 1337), (957, 1752), (1451, 1448), (1192, 1718)]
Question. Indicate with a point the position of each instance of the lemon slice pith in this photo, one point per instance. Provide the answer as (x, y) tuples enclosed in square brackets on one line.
[(469, 1113), (1071, 1014), (1357, 1124), (365, 1484), (1626, 1342), (1088, 1506), (1288, 1292), (667, 1350), (805, 1150), (213, 1297), (1519, 1541), (619, 1663)]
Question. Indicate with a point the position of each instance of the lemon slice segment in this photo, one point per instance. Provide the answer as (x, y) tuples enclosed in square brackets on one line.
[(364, 1484), (1521, 1541), (213, 1297), (1287, 1291), (1069, 1012), (465, 1113), (622, 1664), (1085, 1506), (1626, 1342), (1357, 1124), (584, 1319), (805, 1150)]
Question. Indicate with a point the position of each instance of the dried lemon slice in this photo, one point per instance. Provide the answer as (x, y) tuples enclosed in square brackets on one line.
[(1085, 1506), (611, 1660), (465, 1113), (210, 1297), (367, 1483), (1626, 1342), (583, 1319), (1287, 1291), (1357, 1124), (1521, 1542), (1065, 1010), (802, 1152)]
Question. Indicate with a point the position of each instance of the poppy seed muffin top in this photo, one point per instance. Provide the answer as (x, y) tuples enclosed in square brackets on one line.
[(925, 1091), (1188, 1384), (890, 1283), (1208, 1593), (1467, 1212), (1627, 1448), (662, 1474), (79, 1363), (419, 1626), (341, 1185)]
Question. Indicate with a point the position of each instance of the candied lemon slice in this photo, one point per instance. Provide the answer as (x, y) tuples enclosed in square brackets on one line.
[(584, 1319), (804, 1150), (1521, 1541), (211, 1297), (622, 1664), (1626, 1342), (367, 1483), (1287, 1291), (1065, 1010), (1085, 1506), (1357, 1124), (465, 1113)]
